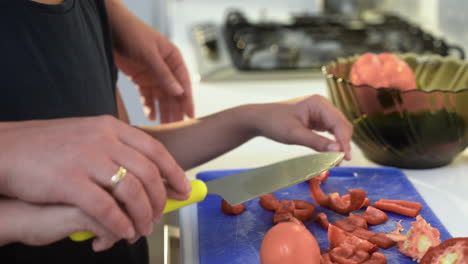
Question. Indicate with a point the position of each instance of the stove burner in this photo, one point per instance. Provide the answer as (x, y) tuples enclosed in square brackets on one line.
[(312, 41)]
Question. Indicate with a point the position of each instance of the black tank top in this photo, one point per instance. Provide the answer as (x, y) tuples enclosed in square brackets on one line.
[(56, 61)]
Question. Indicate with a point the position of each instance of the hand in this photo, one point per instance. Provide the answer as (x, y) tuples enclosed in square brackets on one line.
[(153, 63), (71, 161), (291, 122), (38, 225)]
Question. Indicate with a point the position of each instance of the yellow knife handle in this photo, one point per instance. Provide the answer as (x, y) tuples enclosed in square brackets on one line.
[(199, 192)]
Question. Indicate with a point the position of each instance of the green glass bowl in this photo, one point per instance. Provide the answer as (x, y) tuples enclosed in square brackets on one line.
[(423, 128)]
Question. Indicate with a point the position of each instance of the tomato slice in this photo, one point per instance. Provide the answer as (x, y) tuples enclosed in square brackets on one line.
[(407, 208), (451, 251)]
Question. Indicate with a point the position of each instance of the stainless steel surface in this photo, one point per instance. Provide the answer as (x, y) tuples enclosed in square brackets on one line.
[(241, 187), (163, 243), (215, 64), (172, 244), (350, 7)]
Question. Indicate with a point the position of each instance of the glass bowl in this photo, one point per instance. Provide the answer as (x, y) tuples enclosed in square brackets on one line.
[(422, 128)]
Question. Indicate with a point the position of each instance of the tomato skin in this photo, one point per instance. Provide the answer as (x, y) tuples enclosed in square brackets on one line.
[(458, 245), (382, 70), (289, 243)]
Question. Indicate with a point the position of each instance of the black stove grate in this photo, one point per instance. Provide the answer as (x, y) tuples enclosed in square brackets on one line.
[(312, 41)]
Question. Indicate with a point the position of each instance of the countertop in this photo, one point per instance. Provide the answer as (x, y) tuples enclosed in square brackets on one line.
[(444, 189)]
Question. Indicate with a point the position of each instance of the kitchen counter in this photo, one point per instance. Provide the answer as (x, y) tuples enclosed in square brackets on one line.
[(444, 189)]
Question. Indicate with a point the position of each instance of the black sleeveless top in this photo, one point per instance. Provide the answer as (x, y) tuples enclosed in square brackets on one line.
[(55, 62)]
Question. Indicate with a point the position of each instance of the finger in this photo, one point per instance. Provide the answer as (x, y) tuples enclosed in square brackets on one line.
[(157, 153), (64, 220), (171, 194), (148, 102), (104, 238), (342, 129), (131, 195), (306, 137), (164, 75), (174, 109), (178, 112), (336, 123), (177, 65), (164, 110), (147, 172), (96, 202)]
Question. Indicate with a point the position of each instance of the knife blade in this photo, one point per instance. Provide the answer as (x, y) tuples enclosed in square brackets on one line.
[(241, 187)]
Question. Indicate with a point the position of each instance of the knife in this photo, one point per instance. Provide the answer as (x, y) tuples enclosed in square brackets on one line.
[(241, 187)]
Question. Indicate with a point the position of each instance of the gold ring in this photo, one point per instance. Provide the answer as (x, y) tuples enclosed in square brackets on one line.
[(116, 178)]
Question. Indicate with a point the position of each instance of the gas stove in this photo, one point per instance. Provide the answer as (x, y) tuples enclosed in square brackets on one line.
[(240, 49)]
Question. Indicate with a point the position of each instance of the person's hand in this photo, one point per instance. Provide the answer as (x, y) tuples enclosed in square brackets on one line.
[(292, 122), (153, 63), (38, 225), (72, 160)]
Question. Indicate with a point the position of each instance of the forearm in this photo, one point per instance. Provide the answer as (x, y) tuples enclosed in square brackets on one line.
[(121, 20), (193, 142)]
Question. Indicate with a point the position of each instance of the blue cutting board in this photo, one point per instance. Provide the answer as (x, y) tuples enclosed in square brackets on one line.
[(237, 239)]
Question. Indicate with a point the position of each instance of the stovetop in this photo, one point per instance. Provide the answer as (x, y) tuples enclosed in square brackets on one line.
[(305, 43)]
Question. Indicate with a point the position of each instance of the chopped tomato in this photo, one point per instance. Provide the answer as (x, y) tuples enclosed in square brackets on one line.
[(366, 202), (317, 193), (382, 240), (336, 203), (269, 202), (322, 176), (304, 210), (299, 209), (322, 220), (337, 236), (402, 207), (345, 225), (357, 220), (419, 239), (451, 251), (357, 199), (363, 233), (284, 212), (374, 216), (232, 209), (326, 259), (376, 258)]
